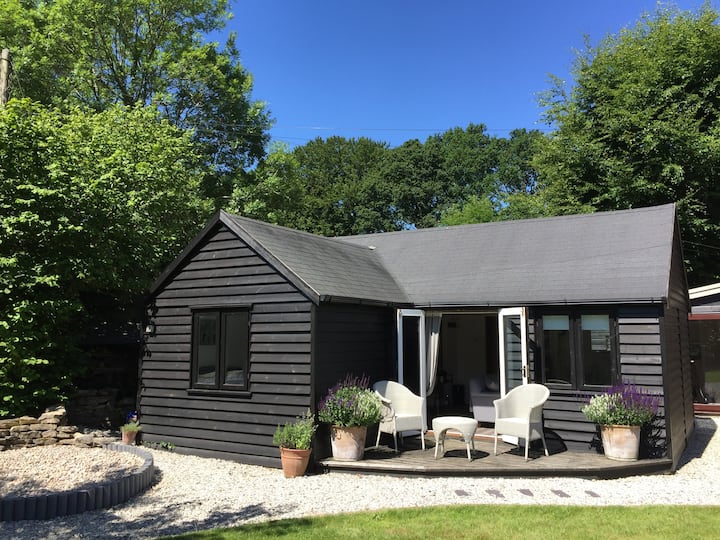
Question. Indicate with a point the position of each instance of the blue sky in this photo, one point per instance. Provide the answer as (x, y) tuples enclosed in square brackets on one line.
[(396, 70)]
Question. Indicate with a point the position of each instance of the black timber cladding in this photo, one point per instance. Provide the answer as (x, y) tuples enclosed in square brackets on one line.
[(351, 339), (679, 412), (223, 270)]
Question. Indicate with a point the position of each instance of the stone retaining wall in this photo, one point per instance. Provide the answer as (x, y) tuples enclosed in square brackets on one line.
[(48, 429)]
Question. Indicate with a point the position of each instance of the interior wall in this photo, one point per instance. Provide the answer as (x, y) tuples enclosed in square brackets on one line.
[(465, 347)]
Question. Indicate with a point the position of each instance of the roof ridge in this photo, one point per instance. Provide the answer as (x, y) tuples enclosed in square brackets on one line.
[(508, 222)]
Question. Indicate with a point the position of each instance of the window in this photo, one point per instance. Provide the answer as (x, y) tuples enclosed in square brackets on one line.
[(577, 349), (220, 349)]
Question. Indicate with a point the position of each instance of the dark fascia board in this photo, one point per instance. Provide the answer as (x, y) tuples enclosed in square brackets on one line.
[(180, 259), (500, 305), (330, 299), (273, 261), (222, 217)]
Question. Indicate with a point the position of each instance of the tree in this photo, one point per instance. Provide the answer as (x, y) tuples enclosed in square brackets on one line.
[(89, 203), (275, 194), (99, 53), (641, 126), (342, 196)]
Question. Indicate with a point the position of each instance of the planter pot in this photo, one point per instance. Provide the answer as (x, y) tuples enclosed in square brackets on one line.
[(128, 437), (621, 443), (294, 461), (348, 443)]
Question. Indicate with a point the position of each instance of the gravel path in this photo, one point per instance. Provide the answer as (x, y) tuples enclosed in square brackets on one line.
[(198, 493)]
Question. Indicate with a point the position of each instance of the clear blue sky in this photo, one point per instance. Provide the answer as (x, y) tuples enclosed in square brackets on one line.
[(394, 70)]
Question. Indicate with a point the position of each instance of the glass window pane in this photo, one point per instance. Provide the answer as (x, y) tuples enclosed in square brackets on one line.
[(556, 322), (207, 351), (236, 348), (556, 349), (596, 350)]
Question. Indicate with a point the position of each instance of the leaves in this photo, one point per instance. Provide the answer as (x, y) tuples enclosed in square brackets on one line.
[(640, 127), (89, 202)]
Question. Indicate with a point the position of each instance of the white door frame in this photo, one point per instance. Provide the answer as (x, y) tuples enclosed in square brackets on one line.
[(516, 311)]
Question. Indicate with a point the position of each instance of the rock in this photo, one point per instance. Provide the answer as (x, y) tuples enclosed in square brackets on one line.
[(83, 438), (67, 429), (20, 428), (42, 427)]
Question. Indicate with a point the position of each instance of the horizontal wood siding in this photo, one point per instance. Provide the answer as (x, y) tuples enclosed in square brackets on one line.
[(676, 360), (640, 356), (225, 271), (351, 339)]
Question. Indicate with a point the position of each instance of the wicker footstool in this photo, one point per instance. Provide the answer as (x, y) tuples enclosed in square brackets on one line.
[(464, 425)]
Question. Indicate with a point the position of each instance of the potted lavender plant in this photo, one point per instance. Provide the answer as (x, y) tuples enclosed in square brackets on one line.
[(350, 407), (620, 413)]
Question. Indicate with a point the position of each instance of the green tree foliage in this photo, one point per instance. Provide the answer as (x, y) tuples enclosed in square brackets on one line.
[(503, 184), (275, 193), (89, 202), (341, 186), (641, 126), (341, 194), (99, 53)]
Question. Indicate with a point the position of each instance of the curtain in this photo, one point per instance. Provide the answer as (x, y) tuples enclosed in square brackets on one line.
[(432, 339)]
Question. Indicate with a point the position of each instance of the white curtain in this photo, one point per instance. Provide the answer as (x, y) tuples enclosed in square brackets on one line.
[(433, 320)]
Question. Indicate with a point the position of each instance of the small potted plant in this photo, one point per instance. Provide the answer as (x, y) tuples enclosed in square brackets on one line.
[(129, 430), (620, 413), (294, 439), (350, 407)]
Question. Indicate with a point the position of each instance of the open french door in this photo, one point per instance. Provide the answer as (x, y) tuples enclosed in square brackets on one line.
[(512, 330), (412, 352)]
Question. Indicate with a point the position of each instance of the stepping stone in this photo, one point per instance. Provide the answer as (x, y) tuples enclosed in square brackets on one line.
[(461, 492), (526, 492), (560, 493), (495, 493), (592, 493)]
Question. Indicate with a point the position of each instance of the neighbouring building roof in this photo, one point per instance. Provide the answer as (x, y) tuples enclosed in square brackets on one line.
[(706, 299), (605, 257)]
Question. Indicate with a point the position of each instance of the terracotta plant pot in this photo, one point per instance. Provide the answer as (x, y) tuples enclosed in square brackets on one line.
[(128, 437), (348, 443), (621, 443), (294, 461)]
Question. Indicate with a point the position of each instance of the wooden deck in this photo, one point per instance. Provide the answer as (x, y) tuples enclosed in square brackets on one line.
[(411, 460)]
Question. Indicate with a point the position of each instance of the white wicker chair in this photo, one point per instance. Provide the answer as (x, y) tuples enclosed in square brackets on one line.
[(402, 411), (519, 414)]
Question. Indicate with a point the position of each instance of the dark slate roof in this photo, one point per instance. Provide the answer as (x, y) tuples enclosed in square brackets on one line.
[(331, 269), (621, 256), (606, 257)]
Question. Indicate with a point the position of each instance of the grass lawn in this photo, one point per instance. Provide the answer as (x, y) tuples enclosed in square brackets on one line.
[(491, 522)]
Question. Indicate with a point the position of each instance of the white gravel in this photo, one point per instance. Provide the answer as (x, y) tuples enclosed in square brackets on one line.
[(197, 493), (49, 469)]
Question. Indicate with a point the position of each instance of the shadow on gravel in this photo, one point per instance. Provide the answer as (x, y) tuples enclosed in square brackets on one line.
[(705, 428)]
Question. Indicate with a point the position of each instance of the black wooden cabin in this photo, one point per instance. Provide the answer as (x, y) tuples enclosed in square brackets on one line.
[(253, 323)]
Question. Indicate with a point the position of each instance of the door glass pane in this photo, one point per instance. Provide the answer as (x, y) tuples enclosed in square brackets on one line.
[(512, 343), (207, 350), (411, 353), (596, 350), (236, 347), (556, 349)]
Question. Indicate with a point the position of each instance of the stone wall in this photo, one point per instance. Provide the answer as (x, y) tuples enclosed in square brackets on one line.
[(48, 429)]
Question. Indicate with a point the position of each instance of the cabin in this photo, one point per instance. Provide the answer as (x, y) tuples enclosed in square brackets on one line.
[(253, 322)]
